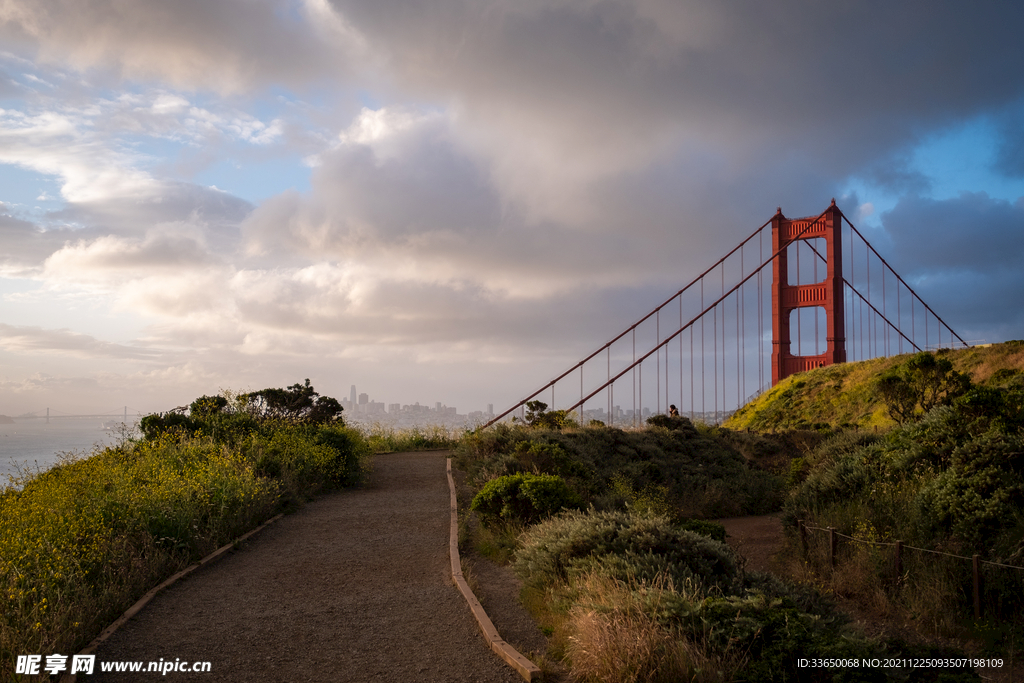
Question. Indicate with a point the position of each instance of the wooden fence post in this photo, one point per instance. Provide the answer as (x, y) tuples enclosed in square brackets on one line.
[(899, 561), (832, 546), (803, 536), (976, 562)]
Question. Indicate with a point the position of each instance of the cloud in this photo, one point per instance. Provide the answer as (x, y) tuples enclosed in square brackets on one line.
[(228, 46), (963, 255), (109, 253), (39, 340), (1009, 158), (598, 86), (26, 246), (972, 232)]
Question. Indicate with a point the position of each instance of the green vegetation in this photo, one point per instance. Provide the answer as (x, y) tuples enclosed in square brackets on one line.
[(632, 597), (683, 471), (626, 547), (83, 540), (952, 481), (640, 586), (924, 380), (538, 415), (524, 498), (847, 396)]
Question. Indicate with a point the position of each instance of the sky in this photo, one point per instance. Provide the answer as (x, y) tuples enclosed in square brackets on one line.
[(453, 200)]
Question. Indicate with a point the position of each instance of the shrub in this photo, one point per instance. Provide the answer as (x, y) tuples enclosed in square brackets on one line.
[(702, 475), (83, 540), (623, 546), (524, 498), (924, 380)]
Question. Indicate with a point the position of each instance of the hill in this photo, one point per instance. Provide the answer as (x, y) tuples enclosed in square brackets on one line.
[(845, 394)]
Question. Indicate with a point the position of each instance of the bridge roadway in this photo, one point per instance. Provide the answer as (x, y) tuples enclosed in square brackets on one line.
[(356, 586)]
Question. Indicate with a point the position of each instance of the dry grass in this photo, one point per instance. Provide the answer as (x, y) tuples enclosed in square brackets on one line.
[(987, 360), (924, 603), (613, 638)]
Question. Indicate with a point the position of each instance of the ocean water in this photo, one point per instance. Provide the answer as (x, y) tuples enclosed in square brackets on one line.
[(33, 444)]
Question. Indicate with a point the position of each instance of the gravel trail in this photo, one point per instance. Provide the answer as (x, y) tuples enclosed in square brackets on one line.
[(356, 586)]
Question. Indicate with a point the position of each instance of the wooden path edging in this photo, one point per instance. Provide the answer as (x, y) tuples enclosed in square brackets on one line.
[(144, 600), (527, 669)]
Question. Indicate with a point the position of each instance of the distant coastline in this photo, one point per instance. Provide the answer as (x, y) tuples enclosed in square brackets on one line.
[(4, 420)]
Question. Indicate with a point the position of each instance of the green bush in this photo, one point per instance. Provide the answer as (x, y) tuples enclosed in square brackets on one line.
[(624, 546), (701, 474), (524, 498), (980, 491), (80, 542), (704, 528)]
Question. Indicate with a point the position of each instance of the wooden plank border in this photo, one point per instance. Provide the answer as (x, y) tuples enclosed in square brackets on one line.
[(527, 669)]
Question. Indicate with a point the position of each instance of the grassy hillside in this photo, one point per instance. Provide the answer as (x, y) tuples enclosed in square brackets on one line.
[(844, 395)]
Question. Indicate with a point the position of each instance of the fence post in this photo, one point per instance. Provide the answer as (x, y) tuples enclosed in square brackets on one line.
[(803, 536), (899, 561), (976, 562), (832, 546)]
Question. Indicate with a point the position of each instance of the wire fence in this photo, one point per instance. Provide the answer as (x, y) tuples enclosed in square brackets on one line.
[(898, 548)]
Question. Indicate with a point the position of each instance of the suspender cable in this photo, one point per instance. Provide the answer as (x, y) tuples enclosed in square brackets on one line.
[(692, 404), (738, 341), (760, 321), (657, 365), (909, 288), (885, 338), (743, 331), (712, 308), (853, 290)]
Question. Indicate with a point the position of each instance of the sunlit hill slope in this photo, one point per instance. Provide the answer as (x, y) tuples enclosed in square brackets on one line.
[(845, 394)]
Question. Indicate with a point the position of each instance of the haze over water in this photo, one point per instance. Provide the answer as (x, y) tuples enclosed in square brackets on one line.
[(33, 444)]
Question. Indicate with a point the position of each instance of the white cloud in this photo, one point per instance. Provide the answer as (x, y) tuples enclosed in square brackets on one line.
[(39, 340), (228, 46)]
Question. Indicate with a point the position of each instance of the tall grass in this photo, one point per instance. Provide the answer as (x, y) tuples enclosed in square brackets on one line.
[(384, 438), (641, 599), (81, 541), (616, 638)]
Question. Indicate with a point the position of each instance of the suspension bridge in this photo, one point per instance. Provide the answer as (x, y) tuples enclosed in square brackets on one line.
[(47, 414), (795, 295)]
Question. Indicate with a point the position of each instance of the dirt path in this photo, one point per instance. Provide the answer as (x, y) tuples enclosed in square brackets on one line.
[(757, 539), (356, 586)]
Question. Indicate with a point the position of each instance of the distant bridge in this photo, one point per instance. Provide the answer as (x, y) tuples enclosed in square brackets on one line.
[(731, 333), (47, 414)]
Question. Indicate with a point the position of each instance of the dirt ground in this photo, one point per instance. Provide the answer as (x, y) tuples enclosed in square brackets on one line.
[(356, 586), (755, 539)]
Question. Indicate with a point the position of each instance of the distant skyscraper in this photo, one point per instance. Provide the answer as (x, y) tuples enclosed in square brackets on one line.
[(490, 409), (352, 394)]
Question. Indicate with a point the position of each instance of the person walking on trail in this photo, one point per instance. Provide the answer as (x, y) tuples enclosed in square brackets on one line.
[(673, 411)]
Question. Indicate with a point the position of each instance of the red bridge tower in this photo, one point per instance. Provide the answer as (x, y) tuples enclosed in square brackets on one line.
[(827, 294)]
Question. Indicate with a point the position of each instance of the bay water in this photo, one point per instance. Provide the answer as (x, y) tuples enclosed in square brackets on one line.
[(35, 444)]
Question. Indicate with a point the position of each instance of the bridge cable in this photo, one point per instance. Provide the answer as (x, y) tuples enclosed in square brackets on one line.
[(869, 304), (607, 345), (699, 316)]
